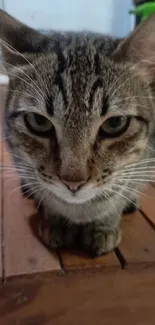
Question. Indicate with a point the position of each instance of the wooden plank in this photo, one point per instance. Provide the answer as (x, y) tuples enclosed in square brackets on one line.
[(73, 261), (1, 161), (138, 240), (3, 89), (147, 204), (81, 298), (24, 254)]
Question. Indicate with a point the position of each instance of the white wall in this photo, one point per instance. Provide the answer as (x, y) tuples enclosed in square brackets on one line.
[(2, 4), (107, 16)]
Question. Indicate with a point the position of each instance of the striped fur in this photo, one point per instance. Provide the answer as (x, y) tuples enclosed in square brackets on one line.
[(77, 81)]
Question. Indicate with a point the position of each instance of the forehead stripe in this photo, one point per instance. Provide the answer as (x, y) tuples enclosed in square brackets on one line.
[(105, 105), (105, 101), (97, 84)]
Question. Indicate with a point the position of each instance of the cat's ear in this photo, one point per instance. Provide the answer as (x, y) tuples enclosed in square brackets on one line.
[(139, 49), (19, 42)]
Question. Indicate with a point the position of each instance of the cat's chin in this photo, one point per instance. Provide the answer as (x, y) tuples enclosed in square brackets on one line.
[(74, 200), (81, 197)]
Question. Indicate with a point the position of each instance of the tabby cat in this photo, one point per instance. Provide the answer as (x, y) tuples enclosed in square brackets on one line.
[(79, 120)]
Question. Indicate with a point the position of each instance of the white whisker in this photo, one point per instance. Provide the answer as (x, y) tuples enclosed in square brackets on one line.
[(5, 138), (25, 74), (136, 173), (136, 179), (35, 190), (141, 168), (41, 200), (130, 76), (120, 194), (129, 189), (144, 161), (29, 95), (30, 63), (26, 82), (110, 200), (150, 148)]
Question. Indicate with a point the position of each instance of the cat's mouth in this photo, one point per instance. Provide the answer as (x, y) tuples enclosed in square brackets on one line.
[(79, 197), (84, 194), (74, 192)]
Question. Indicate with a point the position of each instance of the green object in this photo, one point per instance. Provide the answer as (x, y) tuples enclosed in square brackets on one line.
[(144, 10)]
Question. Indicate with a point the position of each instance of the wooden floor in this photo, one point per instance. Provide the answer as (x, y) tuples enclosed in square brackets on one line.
[(41, 288)]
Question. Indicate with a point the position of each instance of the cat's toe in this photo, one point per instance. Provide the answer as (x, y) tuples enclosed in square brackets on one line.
[(52, 237), (93, 238), (57, 233), (100, 240)]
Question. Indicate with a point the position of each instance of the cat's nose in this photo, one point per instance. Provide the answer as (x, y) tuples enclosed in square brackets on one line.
[(73, 186)]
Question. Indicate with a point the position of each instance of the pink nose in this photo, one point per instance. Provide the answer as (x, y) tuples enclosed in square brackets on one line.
[(73, 186)]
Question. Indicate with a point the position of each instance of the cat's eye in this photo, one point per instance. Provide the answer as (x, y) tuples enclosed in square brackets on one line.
[(38, 124), (115, 126)]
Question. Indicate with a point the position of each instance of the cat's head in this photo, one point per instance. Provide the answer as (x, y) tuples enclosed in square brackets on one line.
[(78, 114)]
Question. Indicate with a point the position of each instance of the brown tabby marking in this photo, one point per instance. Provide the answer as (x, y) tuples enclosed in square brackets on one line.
[(80, 121)]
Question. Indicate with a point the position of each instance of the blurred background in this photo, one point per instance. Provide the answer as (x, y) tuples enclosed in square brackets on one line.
[(106, 16)]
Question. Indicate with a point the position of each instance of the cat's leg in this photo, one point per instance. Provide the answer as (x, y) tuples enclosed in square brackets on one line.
[(95, 238), (56, 232), (98, 238)]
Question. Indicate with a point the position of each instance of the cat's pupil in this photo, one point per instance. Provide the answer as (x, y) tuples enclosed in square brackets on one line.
[(40, 120), (115, 122)]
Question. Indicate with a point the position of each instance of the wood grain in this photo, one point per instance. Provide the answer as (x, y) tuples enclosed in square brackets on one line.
[(2, 104), (122, 298), (24, 254), (74, 261), (138, 240), (1, 161)]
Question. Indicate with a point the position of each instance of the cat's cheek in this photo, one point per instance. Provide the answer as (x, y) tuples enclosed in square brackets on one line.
[(37, 153), (29, 143)]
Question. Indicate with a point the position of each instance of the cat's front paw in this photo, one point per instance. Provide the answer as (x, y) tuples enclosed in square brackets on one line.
[(98, 239), (57, 233), (94, 238), (130, 207)]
